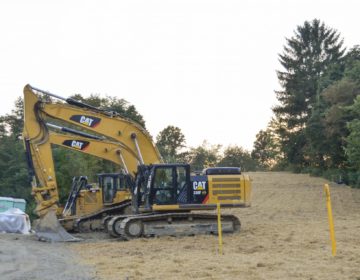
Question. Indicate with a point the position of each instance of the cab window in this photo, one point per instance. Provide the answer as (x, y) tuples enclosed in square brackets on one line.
[(164, 186), (109, 189)]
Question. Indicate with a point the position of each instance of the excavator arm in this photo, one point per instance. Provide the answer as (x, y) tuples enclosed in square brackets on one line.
[(111, 151), (132, 137), (46, 192)]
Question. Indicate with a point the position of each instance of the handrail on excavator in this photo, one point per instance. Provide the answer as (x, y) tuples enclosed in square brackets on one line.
[(74, 102)]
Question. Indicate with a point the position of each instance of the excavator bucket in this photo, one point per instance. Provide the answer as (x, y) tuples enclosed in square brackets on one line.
[(49, 229)]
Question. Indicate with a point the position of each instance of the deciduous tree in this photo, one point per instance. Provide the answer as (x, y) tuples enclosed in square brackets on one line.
[(235, 156), (169, 142)]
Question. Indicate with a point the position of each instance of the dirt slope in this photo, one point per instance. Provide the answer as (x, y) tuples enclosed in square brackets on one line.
[(284, 236)]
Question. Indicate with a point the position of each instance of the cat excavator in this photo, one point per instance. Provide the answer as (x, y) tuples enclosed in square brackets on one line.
[(87, 203), (163, 196)]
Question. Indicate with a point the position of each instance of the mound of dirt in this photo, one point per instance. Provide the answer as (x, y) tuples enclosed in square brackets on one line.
[(284, 235)]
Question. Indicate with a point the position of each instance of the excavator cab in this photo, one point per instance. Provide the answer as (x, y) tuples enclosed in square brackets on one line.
[(169, 184), (112, 185), (161, 184)]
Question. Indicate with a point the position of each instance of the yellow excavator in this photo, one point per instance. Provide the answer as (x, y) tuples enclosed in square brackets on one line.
[(87, 203), (163, 196)]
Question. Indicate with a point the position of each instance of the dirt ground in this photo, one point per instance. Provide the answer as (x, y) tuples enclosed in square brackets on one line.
[(284, 235), (22, 257)]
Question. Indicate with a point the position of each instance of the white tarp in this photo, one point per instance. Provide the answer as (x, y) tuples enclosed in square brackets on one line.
[(14, 221)]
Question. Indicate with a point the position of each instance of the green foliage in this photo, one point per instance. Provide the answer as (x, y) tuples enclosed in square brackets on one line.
[(353, 139), (335, 72), (13, 170), (308, 54), (353, 144), (120, 106), (353, 178), (169, 142), (261, 151), (315, 137), (352, 59), (353, 73), (327, 128), (235, 156), (336, 117), (318, 120), (69, 164), (12, 124), (207, 155), (313, 50), (203, 156), (267, 146)]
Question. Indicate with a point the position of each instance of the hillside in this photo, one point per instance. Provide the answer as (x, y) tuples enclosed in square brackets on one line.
[(284, 236)]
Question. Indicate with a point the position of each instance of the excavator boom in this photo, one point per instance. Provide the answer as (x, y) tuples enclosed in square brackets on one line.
[(129, 134)]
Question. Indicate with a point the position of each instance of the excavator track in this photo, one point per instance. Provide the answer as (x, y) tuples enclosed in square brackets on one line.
[(170, 224), (93, 222)]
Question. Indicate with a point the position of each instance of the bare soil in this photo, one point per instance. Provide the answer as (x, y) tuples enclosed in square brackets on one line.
[(284, 235), (23, 257)]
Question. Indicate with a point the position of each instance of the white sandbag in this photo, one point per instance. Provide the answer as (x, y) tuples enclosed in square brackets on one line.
[(14, 221)]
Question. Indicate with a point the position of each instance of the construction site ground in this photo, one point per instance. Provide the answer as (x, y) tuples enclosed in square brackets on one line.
[(284, 235)]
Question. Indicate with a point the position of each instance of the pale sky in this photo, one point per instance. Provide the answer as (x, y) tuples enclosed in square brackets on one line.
[(208, 67)]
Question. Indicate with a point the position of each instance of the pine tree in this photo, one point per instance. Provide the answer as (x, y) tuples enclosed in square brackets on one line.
[(312, 50)]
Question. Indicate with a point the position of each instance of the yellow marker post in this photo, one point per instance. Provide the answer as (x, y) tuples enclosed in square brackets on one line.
[(330, 216), (219, 227)]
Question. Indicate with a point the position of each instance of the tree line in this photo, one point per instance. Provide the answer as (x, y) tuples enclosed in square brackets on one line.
[(316, 124), (171, 143)]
